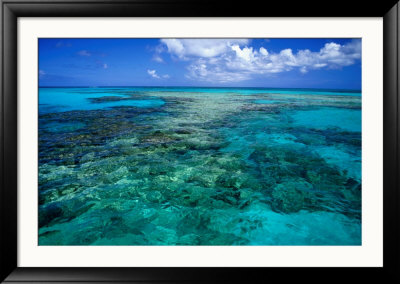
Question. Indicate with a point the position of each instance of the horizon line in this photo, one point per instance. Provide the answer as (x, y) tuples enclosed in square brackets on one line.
[(209, 87)]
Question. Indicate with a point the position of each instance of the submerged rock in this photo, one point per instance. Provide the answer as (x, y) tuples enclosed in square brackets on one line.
[(49, 213), (157, 137), (291, 196)]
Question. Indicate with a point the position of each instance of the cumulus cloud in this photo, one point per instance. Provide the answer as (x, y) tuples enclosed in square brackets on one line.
[(203, 70), (263, 51), (225, 60), (207, 48), (153, 74)]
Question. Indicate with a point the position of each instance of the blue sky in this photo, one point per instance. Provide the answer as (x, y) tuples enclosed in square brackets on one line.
[(276, 63)]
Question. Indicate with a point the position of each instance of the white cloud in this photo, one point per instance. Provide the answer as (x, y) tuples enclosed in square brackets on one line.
[(204, 71), (238, 63), (158, 58), (153, 73), (41, 73), (84, 53), (105, 65), (303, 70), (263, 51), (247, 54), (206, 48)]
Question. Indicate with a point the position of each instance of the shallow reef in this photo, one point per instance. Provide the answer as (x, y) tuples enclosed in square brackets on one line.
[(201, 168)]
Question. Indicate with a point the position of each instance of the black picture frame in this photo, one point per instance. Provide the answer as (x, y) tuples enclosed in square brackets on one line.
[(12, 9)]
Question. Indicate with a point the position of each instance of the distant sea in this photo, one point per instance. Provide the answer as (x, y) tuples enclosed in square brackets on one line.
[(58, 98), (199, 166)]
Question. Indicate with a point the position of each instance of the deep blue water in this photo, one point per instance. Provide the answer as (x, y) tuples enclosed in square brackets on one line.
[(199, 166)]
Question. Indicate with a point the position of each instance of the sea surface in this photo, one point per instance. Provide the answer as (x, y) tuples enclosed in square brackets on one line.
[(199, 166)]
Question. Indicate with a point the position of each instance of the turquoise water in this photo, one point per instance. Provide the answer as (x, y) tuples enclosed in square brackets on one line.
[(199, 166), (268, 102), (68, 99), (323, 118)]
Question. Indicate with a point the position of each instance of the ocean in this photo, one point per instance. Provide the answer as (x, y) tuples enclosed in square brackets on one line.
[(199, 166)]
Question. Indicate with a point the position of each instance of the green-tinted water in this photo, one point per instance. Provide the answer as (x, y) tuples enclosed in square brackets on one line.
[(199, 167)]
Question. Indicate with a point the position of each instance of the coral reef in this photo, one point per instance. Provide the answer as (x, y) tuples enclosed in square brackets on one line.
[(201, 169)]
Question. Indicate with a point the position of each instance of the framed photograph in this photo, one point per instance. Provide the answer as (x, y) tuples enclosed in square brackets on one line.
[(192, 141)]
